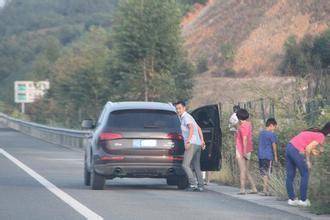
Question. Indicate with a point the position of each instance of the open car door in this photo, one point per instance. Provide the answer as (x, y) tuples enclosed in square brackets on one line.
[(208, 118)]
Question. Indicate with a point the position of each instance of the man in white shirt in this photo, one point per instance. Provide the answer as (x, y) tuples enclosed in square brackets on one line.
[(194, 142), (233, 121)]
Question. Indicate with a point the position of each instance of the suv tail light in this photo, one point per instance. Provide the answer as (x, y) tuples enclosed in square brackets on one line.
[(175, 136), (110, 136), (176, 158)]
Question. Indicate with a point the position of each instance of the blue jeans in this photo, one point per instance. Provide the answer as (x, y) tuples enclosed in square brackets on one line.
[(296, 160)]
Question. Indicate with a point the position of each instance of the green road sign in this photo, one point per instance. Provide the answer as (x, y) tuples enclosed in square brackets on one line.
[(21, 87), (21, 97)]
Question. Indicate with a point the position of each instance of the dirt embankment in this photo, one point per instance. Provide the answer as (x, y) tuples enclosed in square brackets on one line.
[(254, 31)]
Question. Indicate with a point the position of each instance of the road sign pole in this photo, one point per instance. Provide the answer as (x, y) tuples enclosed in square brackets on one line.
[(23, 107)]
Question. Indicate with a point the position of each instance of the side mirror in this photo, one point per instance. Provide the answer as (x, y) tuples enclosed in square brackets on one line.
[(87, 124)]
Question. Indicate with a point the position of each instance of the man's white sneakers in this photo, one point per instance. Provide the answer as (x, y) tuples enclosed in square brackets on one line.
[(297, 202), (293, 202), (305, 203)]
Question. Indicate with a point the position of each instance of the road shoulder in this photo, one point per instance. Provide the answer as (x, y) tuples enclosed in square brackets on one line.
[(268, 201)]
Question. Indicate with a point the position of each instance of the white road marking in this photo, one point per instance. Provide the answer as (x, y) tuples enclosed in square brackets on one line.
[(83, 210)]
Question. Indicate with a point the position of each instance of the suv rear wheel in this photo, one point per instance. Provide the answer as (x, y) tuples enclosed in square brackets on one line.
[(97, 181), (172, 180), (182, 182)]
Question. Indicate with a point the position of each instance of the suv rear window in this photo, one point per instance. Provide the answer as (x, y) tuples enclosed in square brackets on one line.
[(148, 120)]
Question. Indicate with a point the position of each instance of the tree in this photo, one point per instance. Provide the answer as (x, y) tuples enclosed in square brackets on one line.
[(68, 43), (26, 28), (148, 50), (322, 48), (80, 80), (307, 56)]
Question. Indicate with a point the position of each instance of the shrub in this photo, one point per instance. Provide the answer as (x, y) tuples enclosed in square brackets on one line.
[(202, 64), (312, 53), (227, 51), (229, 72)]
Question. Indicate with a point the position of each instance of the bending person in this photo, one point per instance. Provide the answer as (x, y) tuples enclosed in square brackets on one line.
[(298, 153)]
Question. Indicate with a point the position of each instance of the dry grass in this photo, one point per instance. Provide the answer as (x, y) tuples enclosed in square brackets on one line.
[(277, 183), (209, 89), (257, 30)]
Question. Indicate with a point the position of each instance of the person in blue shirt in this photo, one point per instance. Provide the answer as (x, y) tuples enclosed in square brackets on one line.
[(267, 152)]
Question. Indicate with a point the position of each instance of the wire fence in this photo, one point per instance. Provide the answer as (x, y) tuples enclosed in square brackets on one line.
[(295, 114), (311, 105)]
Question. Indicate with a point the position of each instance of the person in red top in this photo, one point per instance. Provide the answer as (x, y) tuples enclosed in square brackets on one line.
[(244, 148), (298, 153)]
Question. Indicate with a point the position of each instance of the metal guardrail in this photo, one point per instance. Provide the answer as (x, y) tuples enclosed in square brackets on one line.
[(60, 136)]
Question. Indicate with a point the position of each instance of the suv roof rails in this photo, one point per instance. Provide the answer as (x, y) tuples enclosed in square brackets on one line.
[(109, 103)]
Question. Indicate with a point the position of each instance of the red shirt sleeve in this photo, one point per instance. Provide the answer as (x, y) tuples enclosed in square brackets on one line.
[(320, 138)]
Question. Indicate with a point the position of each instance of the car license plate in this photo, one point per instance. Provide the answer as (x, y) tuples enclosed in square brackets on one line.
[(138, 143), (148, 143)]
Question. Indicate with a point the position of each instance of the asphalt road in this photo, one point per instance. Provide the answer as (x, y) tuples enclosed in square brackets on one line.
[(23, 197)]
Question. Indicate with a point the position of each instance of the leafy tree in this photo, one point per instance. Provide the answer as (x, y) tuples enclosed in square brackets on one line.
[(186, 5), (80, 82), (148, 50), (307, 56), (30, 15), (227, 51), (27, 27), (202, 64), (68, 43), (322, 49)]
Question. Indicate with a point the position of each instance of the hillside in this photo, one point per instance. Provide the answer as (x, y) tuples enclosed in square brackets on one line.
[(33, 34), (235, 38), (246, 37), (242, 44), (92, 52)]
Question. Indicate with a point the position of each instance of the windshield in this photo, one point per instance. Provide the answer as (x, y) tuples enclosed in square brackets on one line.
[(144, 120)]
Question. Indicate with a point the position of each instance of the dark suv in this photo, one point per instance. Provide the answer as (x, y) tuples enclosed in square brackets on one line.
[(142, 139)]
